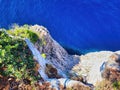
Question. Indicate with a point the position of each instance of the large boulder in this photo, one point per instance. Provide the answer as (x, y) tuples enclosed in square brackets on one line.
[(112, 68)]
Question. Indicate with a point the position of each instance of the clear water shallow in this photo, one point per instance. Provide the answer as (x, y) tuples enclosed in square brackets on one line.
[(81, 24)]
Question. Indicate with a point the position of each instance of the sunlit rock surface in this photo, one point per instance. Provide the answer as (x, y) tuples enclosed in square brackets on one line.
[(57, 63), (91, 66), (56, 54), (61, 71), (88, 68), (112, 68)]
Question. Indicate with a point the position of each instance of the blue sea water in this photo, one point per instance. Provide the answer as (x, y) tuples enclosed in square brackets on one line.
[(79, 24)]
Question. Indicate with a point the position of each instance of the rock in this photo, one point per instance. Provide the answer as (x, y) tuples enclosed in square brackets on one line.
[(55, 54), (112, 68), (51, 71), (67, 84), (91, 65), (74, 76)]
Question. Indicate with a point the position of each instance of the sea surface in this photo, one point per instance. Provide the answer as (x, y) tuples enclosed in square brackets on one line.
[(84, 25)]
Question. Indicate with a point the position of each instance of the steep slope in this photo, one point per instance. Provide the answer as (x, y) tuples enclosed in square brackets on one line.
[(34, 59), (56, 54), (51, 60)]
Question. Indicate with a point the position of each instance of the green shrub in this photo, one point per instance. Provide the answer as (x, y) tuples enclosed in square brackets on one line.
[(43, 55), (16, 59), (116, 85), (24, 32)]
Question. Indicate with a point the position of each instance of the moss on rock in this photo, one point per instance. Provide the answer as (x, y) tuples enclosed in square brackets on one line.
[(24, 32)]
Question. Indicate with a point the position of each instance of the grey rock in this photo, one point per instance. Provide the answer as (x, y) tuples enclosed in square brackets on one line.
[(55, 53)]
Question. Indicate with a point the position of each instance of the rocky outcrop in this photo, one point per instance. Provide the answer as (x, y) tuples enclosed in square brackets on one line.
[(91, 66), (112, 68), (55, 54), (57, 63), (61, 71), (96, 66)]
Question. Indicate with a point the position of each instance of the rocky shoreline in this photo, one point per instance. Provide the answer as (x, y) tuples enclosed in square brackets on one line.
[(61, 71)]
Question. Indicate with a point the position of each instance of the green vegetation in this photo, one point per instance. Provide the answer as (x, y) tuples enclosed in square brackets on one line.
[(43, 55), (24, 32), (16, 59), (116, 85), (107, 85)]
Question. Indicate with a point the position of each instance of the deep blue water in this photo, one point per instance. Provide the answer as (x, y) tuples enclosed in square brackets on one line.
[(81, 24)]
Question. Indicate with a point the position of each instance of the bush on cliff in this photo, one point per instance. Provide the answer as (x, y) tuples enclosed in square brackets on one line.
[(24, 32), (16, 60)]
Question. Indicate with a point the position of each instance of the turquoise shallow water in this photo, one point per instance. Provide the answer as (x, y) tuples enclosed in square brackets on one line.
[(84, 25)]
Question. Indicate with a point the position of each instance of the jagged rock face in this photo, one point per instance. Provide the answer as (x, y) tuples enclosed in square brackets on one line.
[(57, 58), (112, 68), (54, 52), (91, 65)]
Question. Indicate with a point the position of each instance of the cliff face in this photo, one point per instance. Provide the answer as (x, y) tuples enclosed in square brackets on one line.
[(52, 68), (56, 54), (91, 66), (51, 64), (97, 66)]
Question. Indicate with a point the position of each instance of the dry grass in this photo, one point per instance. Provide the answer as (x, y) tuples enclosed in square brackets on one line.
[(107, 85)]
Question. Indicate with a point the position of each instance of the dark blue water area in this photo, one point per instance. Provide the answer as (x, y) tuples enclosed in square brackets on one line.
[(82, 25)]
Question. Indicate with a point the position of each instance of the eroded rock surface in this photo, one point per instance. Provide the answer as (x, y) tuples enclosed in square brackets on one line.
[(87, 70), (56, 54), (95, 66), (91, 66), (62, 71), (112, 68)]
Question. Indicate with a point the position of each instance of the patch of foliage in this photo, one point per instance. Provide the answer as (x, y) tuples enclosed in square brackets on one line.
[(43, 55), (107, 85), (24, 32), (116, 85), (16, 59)]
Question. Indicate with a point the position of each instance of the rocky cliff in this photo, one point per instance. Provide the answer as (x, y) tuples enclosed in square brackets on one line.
[(31, 58), (55, 53)]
